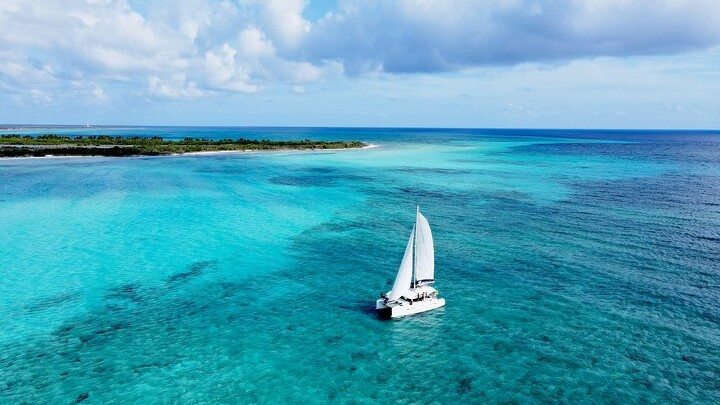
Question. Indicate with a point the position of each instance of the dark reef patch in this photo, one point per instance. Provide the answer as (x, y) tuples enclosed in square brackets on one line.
[(125, 296), (53, 301), (81, 397), (429, 170), (194, 270), (310, 180), (320, 177), (125, 292), (465, 385)]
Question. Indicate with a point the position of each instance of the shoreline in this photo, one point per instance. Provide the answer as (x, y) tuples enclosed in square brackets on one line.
[(199, 153), (222, 152), (14, 145)]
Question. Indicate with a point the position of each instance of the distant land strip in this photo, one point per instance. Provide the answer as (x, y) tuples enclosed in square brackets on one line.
[(105, 145)]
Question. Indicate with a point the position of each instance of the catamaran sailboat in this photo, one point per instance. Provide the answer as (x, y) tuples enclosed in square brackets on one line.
[(412, 291)]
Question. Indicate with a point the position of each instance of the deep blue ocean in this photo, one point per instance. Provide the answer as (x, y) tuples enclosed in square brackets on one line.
[(578, 267)]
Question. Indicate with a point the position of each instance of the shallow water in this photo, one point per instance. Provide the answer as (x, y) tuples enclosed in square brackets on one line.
[(578, 266)]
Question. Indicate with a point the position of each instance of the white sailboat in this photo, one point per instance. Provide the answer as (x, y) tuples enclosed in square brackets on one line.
[(412, 291)]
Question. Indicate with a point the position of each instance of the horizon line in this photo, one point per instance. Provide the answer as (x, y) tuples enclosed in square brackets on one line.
[(8, 126)]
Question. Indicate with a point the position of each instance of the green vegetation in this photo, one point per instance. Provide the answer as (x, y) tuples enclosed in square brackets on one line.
[(104, 145)]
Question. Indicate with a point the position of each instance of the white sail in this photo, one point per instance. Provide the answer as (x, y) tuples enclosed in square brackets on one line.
[(404, 275), (424, 251)]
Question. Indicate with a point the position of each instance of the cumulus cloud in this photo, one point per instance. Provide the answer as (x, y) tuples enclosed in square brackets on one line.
[(224, 72), (187, 49), (99, 94), (25, 81), (89, 35), (40, 96), (176, 87), (282, 20), (182, 49)]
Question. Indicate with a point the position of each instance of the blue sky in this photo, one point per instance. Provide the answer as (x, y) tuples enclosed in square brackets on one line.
[(439, 63)]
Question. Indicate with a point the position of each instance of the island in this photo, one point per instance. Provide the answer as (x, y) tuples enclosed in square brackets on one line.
[(105, 145)]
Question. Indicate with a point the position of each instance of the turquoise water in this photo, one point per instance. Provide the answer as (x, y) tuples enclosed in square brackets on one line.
[(578, 266)]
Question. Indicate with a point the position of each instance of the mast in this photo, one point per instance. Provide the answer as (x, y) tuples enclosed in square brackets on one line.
[(417, 212)]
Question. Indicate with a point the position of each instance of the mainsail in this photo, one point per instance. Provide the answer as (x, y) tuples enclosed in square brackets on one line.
[(404, 275), (424, 251)]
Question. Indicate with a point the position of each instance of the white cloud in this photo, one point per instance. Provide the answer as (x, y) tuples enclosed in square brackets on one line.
[(176, 87), (282, 19), (181, 49), (439, 35), (223, 72), (25, 81), (99, 94), (89, 35), (305, 72), (40, 96), (188, 49), (253, 44)]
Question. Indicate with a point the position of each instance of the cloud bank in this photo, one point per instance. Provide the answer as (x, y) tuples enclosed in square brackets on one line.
[(425, 36), (186, 50)]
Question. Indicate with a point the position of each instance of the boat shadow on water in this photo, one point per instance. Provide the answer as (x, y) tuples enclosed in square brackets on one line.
[(385, 315), (358, 306)]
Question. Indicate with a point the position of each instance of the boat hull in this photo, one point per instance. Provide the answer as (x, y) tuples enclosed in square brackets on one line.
[(405, 308)]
